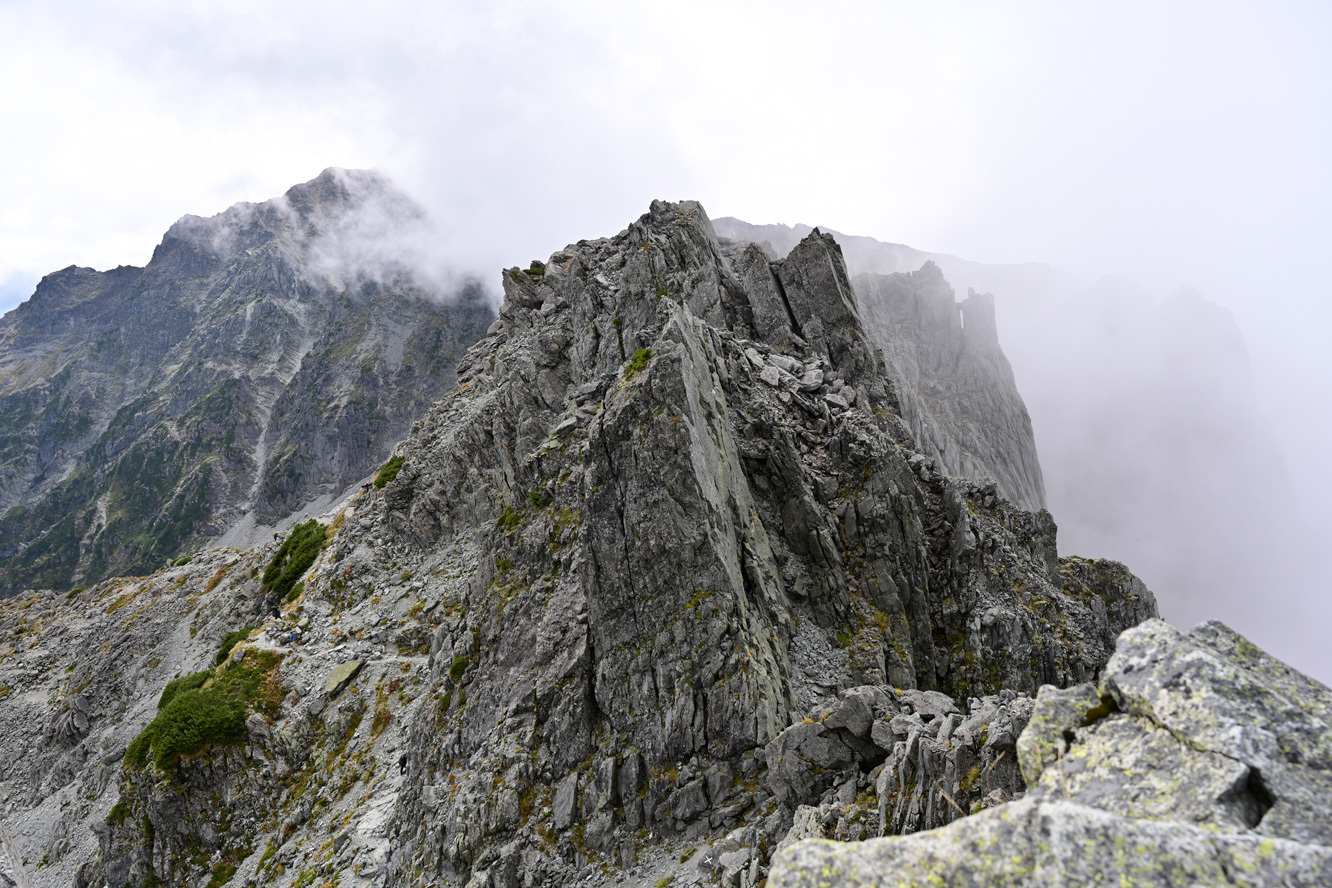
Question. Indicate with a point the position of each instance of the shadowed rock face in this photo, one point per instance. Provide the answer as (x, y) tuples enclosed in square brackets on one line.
[(1198, 760), (638, 544), (244, 372)]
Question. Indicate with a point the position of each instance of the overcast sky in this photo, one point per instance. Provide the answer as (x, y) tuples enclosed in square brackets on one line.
[(1173, 143)]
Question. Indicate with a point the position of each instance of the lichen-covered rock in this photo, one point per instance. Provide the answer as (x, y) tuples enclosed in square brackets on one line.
[(1199, 760), (1030, 843), (341, 676)]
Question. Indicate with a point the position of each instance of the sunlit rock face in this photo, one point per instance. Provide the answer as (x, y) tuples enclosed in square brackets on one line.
[(265, 358), (1196, 760), (662, 580)]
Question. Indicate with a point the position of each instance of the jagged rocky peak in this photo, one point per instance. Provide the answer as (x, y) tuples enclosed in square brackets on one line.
[(344, 228), (300, 212), (955, 385), (684, 534), (665, 566)]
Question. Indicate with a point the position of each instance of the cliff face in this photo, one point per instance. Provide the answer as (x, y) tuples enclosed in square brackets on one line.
[(247, 370), (670, 514), (958, 391), (956, 387)]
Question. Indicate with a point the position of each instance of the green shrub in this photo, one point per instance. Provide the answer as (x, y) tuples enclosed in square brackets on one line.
[(538, 498), (222, 874), (458, 667), (188, 683), (211, 711), (119, 813), (294, 593), (295, 557), (509, 520), (637, 363), (182, 561), (389, 471), (232, 639)]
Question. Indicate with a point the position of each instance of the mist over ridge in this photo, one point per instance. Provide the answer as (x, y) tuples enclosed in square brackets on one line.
[(1155, 441)]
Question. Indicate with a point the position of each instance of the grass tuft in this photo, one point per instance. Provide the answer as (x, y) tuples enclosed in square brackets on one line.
[(233, 638), (637, 363), (208, 707), (389, 471)]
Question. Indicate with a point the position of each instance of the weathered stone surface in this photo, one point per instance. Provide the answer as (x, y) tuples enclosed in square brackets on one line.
[(1029, 843), (1054, 720), (1259, 721), (1198, 760)]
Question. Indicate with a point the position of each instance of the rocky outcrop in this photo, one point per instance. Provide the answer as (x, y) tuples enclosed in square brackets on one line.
[(240, 375), (886, 761), (639, 542), (1197, 759), (683, 533)]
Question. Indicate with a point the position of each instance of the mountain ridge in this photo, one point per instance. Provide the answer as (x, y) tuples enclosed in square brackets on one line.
[(635, 548), (662, 588)]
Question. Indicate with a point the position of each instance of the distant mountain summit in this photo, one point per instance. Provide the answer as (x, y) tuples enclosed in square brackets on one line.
[(265, 358)]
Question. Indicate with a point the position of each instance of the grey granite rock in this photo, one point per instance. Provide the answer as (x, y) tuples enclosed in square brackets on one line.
[(341, 676), (957, 389), (1028, 843), (954, 384)]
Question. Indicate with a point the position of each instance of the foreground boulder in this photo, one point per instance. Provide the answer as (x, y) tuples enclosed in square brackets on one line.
[(887, 761), (1197, 760)]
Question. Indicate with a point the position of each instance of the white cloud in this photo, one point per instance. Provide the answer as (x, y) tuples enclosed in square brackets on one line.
[(1177, 143)]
